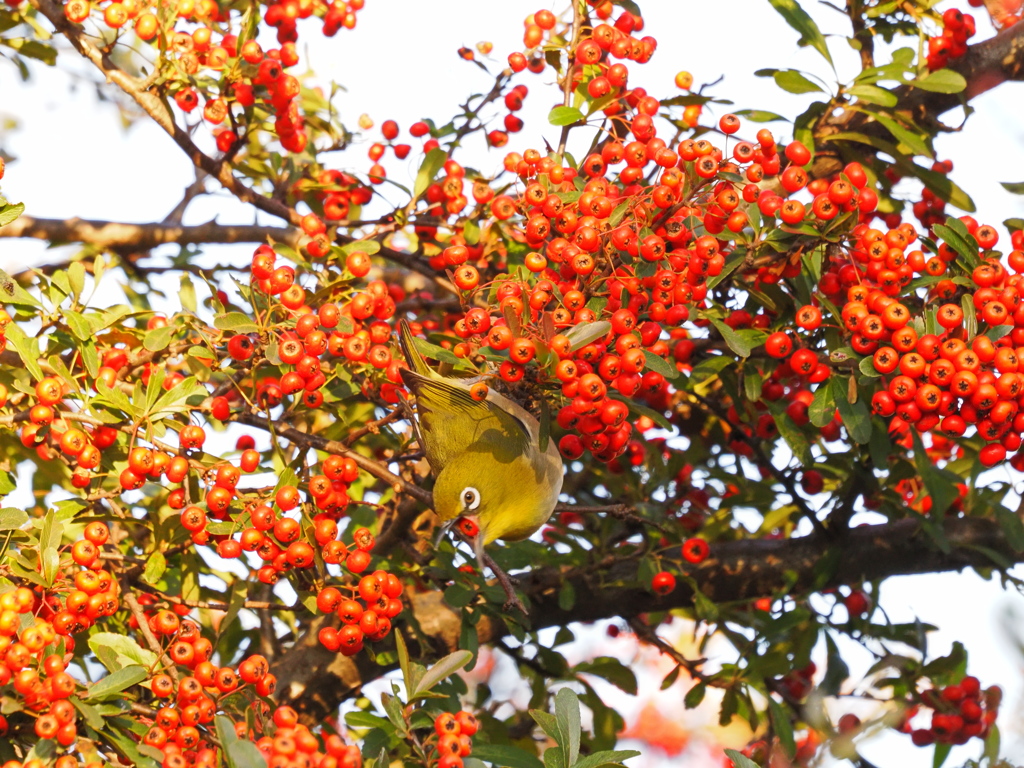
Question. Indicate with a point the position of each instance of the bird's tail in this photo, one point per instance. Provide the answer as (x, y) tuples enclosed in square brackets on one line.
[(413, 358)]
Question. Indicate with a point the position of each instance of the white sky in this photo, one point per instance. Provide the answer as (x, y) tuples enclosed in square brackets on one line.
[(74, 159)]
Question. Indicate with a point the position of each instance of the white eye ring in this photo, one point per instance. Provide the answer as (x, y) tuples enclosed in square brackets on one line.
[(470, 498)]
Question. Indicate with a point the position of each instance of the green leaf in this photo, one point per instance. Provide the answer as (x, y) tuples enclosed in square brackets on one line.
[(1016, 187), (695, 695), (941, 185), (120, 651), (431, 164), (1013, 528), (823, 407), (10, 212), (1014, 224), (856, 417), (660, 365), (12, 518), (564, 116), (940, 81), (505, 756), (837, 670), (957, 242), (187, 293), (799, 20), (940, 487), (791, 433), (403, 660), (369, 247), (867, 367), (606, 757), (741, 342), (567, 713), (783, 727), (581, 335), (244, 754), (794, 82), (92, 716), (76, 278), (709, 368), (236, 322), (367, 720), (612, 670), (116, 682), (912, 141), (872, 94), (941, 752), (32, 49), (156, 565), (760, 116), (27, 349), (447, 666), (158, 338), (740, 760)]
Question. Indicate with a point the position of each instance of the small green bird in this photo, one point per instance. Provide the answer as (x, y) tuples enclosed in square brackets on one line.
[(485, 454)]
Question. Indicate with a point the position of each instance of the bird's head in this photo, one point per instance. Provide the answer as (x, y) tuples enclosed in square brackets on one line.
[(468, 488)]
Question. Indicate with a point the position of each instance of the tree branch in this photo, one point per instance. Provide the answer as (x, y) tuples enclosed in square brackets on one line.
[(316, 681), (114, 234), (986, 65)]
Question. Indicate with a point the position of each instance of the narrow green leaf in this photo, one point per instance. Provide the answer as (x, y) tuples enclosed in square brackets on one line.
[(914, 142), (792, 81), (505, 756), (187, 293), (447, 666), (695, 695), (940, 487), (795, 439), (799, 20), (116, 682), (244, 754), (612, 670), (783, 727), (940, 81), (567, 713), (660, 365), (76, 277), (1016, 187), (562, 116), (431, 164), (403, 660), (1013, 528), (823, 407), (581, 335), (156, 565), (856, 417), (872, 94), (27, 349), (709, 368), (606, 757), (236, 322), (941, 753), (737, 341), (739, 760)]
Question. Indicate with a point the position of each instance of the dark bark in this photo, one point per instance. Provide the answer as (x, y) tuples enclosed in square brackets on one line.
[(315, 681)]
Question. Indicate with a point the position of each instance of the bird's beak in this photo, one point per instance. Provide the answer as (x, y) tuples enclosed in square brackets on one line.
[(442, 531)]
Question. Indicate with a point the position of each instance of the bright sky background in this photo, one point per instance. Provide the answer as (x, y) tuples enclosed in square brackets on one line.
[(75, 159)]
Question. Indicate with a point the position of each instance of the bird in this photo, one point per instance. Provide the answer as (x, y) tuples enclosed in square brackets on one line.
[(485, 454)]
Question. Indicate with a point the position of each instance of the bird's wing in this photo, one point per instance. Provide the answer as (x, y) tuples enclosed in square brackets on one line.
[(451, 422), (412, 355)]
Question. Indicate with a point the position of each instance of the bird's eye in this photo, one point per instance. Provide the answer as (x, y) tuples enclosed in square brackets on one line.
[(470, 498)]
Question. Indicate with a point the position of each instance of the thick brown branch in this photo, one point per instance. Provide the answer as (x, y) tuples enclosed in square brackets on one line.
[(987, 64), (115, 234), (317, 681)]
